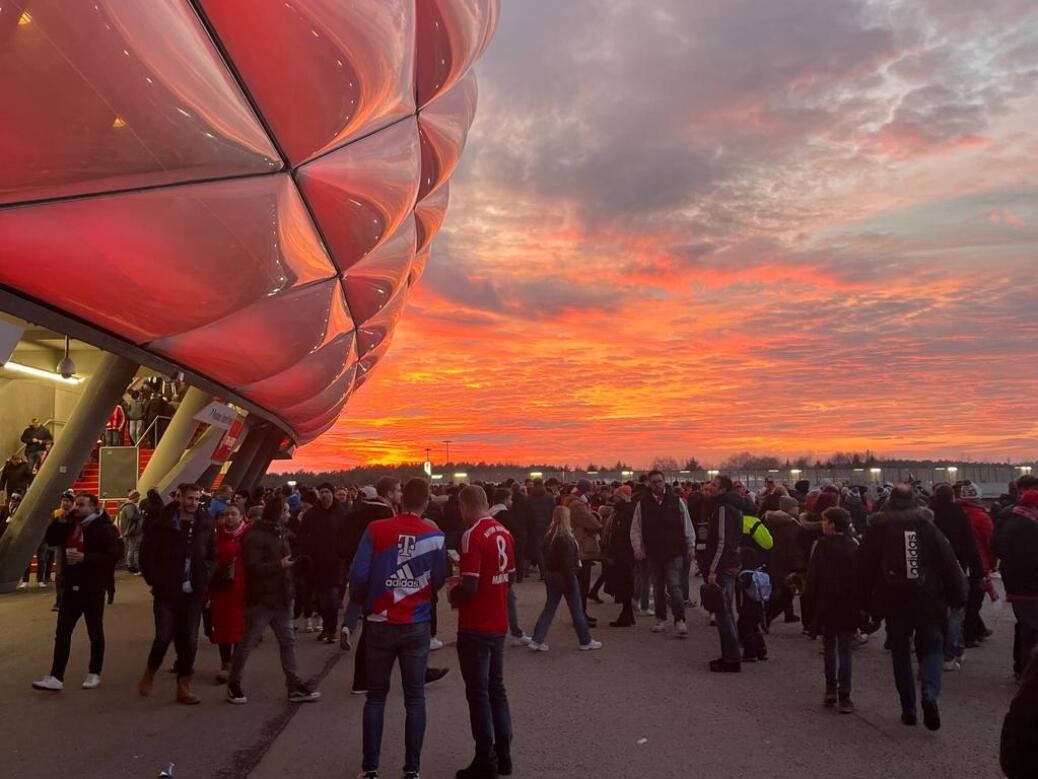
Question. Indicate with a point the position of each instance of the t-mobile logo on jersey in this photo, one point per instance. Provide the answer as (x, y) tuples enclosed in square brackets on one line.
[(405, 547)]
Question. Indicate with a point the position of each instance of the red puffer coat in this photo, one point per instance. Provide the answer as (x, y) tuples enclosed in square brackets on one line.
[(228, 599)]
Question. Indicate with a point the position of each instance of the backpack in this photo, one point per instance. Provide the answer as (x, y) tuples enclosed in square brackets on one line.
[(756, 585), (904, 557)]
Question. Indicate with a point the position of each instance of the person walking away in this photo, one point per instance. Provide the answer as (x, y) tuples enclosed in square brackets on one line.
[(1018, 752), (787, 556), (561, 562), (319, 542), (519, 527), (400, 562), (662, 533), (89, 550), (909, 577), (953, 522), (37, 439), (754, 588), (587, 529), (973, 629), (178, 559), (227, 592), (834, 588), (542, 504), (722, 550), (487, 561), (135, 412), (502, 511), (1016, 544), (621, 558), (267, 562), (130, 522), (114, 427)]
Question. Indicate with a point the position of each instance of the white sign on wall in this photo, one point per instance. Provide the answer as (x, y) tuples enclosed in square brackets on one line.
[(218, 415)]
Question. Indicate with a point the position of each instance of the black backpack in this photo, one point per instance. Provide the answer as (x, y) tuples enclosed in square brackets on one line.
[(905, 556)]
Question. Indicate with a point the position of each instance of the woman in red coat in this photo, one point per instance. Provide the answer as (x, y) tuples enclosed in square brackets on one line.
[(227, 593)]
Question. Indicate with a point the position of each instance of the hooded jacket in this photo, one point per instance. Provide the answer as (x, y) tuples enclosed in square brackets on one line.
[(832, 586), (352, 529), (266, 582), (1016, 543), (318, 539), (953, 522), (725, 534), (786, 555), (983, 529), (943, 584), (586, 528)]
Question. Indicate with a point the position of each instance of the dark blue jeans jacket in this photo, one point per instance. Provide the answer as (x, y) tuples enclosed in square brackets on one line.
[(481, 656)]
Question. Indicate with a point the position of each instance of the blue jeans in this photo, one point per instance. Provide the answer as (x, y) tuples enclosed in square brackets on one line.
[(280, 621), (513, 612), (666, 581), (730, 651), (559, 586), (384, 644), (176, 622), (482, 660), (954, 643), (929, 650), (837, 647)]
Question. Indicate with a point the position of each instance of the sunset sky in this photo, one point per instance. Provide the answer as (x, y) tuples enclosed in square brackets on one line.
[(698, 227)]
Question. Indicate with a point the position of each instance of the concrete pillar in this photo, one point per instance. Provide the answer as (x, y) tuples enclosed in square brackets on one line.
[(242, 460), (194, 461), (62, 466), (174, 440), (264, 457)]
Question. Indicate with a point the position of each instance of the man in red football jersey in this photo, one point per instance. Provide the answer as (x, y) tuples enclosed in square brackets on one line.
[(487, 559)]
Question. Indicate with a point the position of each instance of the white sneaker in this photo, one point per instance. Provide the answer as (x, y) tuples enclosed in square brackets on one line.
[(92, 681), (49, 682), (660, 626), (538, 647), (523, 640), (22, 585), (682, 628), (434, 644), (952, 665), (41, 584), (591, 645), (308, 627)]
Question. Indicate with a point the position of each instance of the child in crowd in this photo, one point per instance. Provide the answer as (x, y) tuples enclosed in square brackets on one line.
[(832, 586)]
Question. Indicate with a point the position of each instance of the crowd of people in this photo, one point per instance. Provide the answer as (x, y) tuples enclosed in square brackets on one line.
[(330, 558)]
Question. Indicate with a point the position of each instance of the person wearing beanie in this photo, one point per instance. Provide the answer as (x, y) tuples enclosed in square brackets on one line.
[(1016, 544), (973, 629)]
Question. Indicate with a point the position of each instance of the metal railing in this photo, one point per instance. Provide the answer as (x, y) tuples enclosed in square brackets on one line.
[(50, 422)]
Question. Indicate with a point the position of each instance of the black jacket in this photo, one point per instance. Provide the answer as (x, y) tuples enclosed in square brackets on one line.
[(620, 571), (832, 586), (41, 433), (953, 522), (15, 477), (1015, 542), (725, 534), (662, 525), (101, 549), (943, 584), (352, 529), (318, 540), (1018, 754), (266, 582), (561, 554), (164, 550)]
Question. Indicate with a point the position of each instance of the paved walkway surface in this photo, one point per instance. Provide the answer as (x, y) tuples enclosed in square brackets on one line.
[(576, 714)]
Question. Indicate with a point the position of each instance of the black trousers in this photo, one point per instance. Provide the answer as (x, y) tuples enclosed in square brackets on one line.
[(76, 603), (973, 627), (176, 622), (328, 608), (584, 580)]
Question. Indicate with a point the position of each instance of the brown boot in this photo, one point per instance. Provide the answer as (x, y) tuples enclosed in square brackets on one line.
[(184, 694), (144, 686), (224, 673)]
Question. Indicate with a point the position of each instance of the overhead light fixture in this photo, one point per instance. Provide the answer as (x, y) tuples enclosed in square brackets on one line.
[(38, 373), (66, 368), (461, 475)]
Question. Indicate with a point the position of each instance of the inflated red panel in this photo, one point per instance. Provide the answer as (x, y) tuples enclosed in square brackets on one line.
[(361, 194), (323, 72), (314, 372), (444, 126), (421, 259), (430, 213), (110, 94), (317, 406), (451, 34), (312, 427), (378, 331), (147, 265), (260, 340), (368, 363), (372, 282)]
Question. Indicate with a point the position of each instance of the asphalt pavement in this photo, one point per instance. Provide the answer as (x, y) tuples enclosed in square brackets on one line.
[(643, 706)]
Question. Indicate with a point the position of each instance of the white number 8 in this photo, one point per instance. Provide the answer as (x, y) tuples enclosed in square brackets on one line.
[(502, 554)]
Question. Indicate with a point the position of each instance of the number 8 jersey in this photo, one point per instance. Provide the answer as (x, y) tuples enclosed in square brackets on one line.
[(488, 553)]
